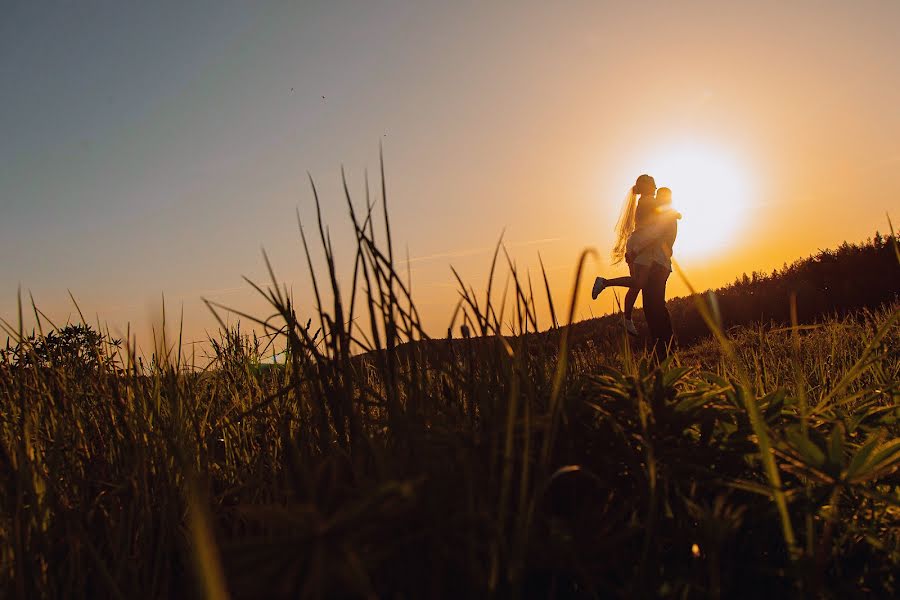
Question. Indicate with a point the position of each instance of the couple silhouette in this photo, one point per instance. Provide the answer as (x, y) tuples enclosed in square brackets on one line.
[(645, 234)]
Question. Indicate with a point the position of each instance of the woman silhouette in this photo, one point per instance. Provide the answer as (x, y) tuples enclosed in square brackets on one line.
[(646, 232)]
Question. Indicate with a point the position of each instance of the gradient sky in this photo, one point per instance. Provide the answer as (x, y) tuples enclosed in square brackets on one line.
[(150, 148)]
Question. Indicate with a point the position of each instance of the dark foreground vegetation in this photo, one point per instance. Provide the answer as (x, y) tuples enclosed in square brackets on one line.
[(761, 460)]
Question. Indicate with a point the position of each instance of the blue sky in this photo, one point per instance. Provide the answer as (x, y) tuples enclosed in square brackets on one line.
[(150, 148)]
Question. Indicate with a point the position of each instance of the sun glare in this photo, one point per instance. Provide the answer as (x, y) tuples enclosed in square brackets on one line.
[(710, 191)]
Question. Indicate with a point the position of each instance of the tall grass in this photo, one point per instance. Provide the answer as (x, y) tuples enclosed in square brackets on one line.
[(378, 462)]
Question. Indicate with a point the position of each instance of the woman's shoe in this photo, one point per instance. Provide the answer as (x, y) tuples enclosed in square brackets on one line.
[(629, 326), (599, 284)]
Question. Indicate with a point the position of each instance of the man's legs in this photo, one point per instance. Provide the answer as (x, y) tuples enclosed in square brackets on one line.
[(658, 320)]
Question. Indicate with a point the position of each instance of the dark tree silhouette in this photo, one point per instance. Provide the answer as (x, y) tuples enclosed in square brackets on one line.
[(829, 282), (76, 348)]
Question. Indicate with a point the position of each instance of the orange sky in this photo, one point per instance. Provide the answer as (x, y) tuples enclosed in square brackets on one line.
[(151, 152)]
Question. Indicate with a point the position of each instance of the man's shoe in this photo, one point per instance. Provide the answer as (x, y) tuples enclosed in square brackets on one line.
[(599, 284)]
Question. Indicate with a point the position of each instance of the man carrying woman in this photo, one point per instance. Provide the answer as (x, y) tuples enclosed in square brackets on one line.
[(645, 235)]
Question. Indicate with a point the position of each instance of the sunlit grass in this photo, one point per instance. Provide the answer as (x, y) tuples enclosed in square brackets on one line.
[(761, 459)]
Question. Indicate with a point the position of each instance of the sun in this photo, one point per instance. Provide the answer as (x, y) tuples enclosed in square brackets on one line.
[(711, 192)]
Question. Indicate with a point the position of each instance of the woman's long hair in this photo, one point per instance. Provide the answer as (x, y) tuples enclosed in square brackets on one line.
[(625, 225)]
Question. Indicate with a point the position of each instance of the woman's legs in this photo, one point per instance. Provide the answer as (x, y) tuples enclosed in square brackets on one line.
[(655, 310), (633, 282), (601, 283), (626, 281), (638, 280), (630, 299)]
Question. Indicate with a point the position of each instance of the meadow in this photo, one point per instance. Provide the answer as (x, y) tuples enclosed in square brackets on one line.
[(528, 460)]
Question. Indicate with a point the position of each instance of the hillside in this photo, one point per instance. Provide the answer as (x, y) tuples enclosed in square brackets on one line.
[(489, 467), (839, 281)]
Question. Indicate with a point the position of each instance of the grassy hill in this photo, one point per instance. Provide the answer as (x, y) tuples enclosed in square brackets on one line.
[(562, 464), (830, 283)]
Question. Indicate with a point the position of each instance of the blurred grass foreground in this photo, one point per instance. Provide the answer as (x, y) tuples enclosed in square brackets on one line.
[(376, 462)]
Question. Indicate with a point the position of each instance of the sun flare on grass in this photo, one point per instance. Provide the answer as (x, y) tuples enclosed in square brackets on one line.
[(711, 192)]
